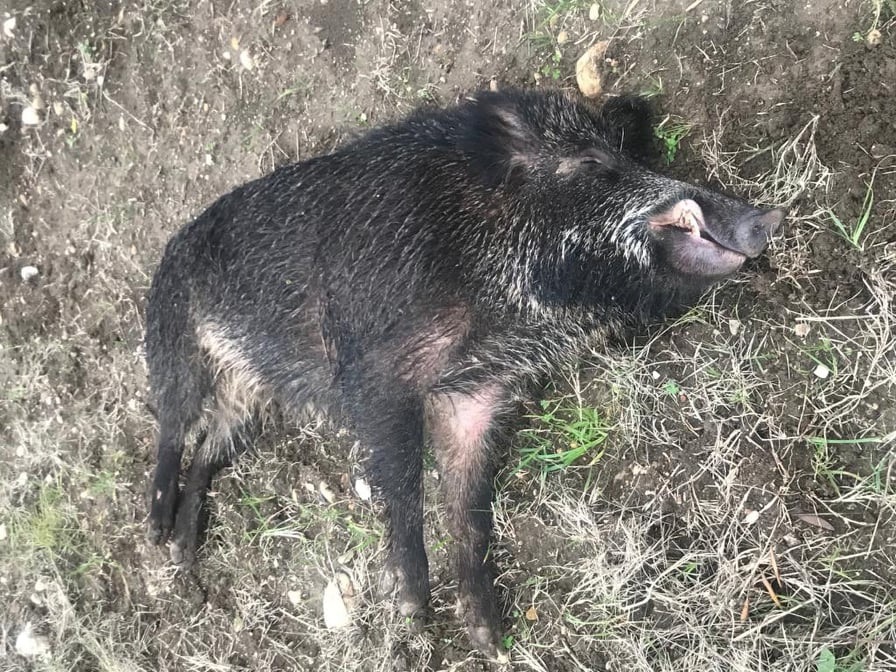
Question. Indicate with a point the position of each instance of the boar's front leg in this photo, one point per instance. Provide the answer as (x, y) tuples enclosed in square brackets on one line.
[(461, 427), (389, 419)]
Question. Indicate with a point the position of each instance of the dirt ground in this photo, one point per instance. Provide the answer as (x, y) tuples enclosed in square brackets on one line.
[(741, 513)]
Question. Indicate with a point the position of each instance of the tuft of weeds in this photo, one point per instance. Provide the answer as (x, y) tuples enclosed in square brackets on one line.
[(671, 131), (826, 468), (853, 233), (654, 88), (551, 13), (552, 69), (43, 527), (827, 661), (45, 536), (672, 388), (561, 436)]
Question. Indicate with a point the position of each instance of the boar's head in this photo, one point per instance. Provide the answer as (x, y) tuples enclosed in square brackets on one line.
[(600, 218)]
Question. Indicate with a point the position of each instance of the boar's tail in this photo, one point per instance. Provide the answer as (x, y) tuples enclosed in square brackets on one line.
[(178, 378)]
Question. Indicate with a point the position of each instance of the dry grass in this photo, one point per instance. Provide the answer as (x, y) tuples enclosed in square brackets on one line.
[(740, 518)]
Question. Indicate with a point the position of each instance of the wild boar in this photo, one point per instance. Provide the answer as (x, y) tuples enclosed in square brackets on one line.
[(413, 284)]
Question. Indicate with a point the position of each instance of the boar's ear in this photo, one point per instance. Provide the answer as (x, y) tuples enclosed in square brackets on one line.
[(628, 122), (499, 141)]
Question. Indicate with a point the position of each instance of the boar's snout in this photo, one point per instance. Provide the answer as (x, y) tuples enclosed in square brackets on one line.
[(753, 230), (714, 239)]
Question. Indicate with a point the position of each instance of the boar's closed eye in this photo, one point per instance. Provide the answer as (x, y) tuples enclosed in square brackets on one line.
[(590, 159)]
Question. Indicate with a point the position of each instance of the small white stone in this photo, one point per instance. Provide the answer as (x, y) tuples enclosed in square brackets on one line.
[(655, 375), (326, 492), (28, 273), (594, 12), (335, 612), (246, 59), (9, 27), (294, 597), (30, 116), (3, 532), (734, 326), (362, 488), (822, 371), (751, 518), (801, 329), (29, 645)]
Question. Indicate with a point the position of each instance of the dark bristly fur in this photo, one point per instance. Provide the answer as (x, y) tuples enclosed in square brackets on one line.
[(413, 283)]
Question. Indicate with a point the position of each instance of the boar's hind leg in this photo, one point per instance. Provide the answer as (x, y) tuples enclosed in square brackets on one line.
[(174, 422), (216, 450), (389, 420), (461, 426), (181, 383)]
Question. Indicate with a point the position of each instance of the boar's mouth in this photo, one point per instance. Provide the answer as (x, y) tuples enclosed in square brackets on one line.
[(693, 247)]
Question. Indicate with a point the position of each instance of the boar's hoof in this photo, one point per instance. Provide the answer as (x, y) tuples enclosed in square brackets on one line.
[(414, 622), (488, 640), (411, 601), (479, 611), (161, 522), (182, 552), (163, 503), (154, 533), (191, 517)]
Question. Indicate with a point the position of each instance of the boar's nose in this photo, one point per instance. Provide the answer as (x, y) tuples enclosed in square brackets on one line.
[(752, 231)]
